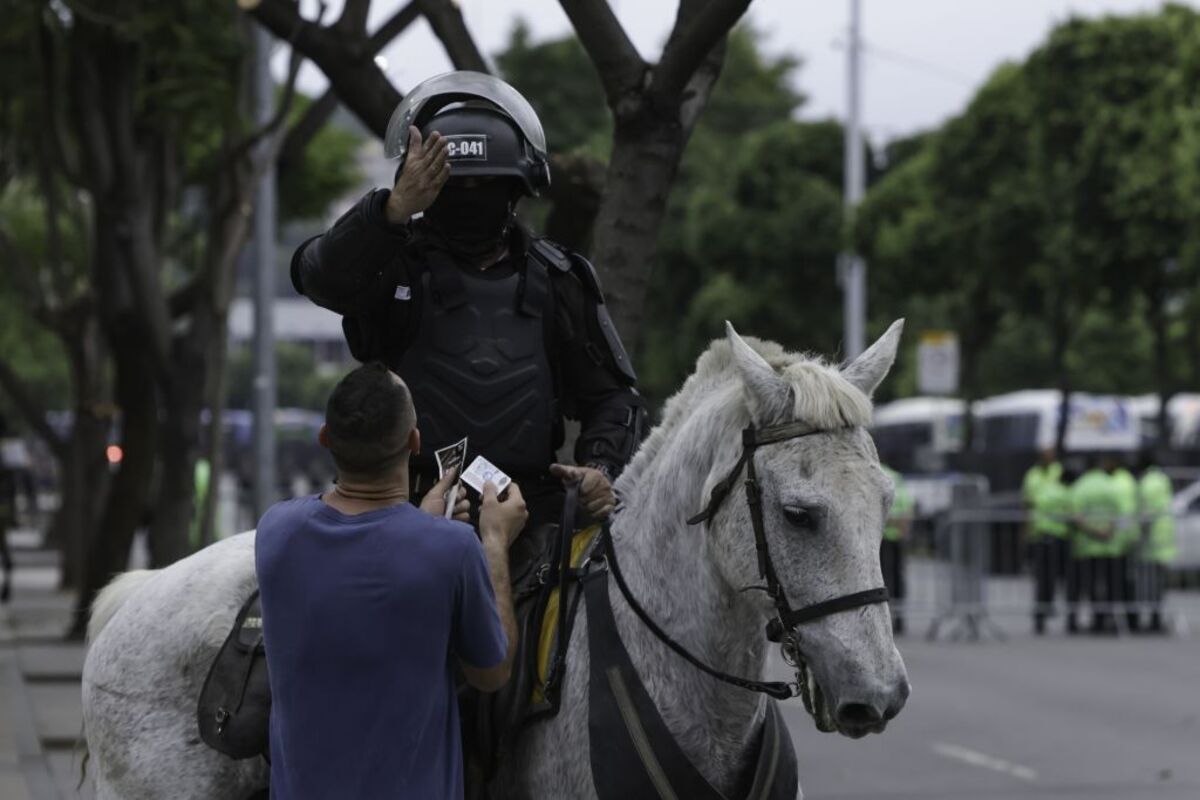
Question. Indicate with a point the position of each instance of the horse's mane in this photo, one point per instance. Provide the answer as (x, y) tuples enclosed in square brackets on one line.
[(822, 396)]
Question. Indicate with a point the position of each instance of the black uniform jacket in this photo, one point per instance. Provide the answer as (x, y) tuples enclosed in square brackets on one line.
[(356, 267)]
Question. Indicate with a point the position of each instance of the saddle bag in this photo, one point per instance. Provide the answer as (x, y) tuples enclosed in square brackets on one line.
[(235, 703)]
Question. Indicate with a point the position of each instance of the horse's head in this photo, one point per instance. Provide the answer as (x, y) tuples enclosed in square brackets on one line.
[(824, 500)]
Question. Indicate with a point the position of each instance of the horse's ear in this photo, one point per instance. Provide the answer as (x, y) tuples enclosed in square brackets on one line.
[(768, 395), (869, 369)]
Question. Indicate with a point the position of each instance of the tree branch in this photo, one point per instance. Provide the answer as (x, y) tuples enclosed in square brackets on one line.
[(617, 61), (33, 413), (697, 31), (389, 30), (353, 20), (308, 126), (281, 111), (446, 19), (316, 115), (50, 84), (700, 86), (360, 84)]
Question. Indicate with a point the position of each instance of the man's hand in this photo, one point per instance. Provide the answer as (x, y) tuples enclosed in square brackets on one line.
[(434, 501), (595, 492), (426, 169), (501, 520)]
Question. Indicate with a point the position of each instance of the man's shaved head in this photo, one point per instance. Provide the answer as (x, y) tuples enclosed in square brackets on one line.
[(368, 419)]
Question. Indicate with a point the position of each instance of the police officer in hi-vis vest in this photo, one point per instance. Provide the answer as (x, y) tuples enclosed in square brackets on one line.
[(1048, 503), (893, 547), (498, 332), (1159, 545)]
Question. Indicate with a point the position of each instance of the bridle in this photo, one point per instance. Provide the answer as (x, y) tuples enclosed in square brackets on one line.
[(786, 618), (783, 627)]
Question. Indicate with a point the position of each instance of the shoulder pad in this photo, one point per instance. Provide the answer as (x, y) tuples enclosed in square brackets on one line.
[(584, 270), (559, 258), (553, 255)]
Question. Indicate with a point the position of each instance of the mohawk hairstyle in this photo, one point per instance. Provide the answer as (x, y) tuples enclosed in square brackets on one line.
[(368, 418)]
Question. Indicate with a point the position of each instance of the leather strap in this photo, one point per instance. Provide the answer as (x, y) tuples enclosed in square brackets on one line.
[(844, 603), (776, 689)]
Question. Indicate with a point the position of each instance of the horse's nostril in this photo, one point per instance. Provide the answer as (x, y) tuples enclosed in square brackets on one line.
[(858, 715)]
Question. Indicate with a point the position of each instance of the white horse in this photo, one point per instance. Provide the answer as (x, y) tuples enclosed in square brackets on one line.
[(824, 500)]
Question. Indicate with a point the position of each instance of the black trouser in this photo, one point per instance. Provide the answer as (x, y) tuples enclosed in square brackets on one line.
[(1049, 556), (1157, 575), (1088, 579), (891, 560), (1102, 581)]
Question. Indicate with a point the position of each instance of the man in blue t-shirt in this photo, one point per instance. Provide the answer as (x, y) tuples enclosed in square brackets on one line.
[(369, 606)]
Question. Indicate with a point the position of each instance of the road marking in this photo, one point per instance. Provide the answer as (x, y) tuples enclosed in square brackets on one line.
[(980, 760)]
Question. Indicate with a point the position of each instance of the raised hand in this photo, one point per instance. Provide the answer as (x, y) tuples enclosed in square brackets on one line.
[(426, 169)]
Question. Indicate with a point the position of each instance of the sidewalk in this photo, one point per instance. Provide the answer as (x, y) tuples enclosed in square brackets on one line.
[(41, 747)]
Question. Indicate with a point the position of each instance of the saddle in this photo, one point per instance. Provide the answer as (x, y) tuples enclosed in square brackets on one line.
[(235, 702), (234, 709), (546, 596)]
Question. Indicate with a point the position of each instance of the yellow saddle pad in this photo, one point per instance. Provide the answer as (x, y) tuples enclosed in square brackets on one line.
[(581, 543)]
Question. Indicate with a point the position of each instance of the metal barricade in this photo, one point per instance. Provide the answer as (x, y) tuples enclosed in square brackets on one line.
[(972, 578)]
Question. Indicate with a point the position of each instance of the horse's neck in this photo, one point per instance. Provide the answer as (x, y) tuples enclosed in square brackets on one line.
[(668, 568)]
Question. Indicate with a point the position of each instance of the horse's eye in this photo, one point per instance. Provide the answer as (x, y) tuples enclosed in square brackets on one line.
[(800, 517)]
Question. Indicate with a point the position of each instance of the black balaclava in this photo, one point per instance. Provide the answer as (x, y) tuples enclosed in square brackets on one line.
[(472, 219)]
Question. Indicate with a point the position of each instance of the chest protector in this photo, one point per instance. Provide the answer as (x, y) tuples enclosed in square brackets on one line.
[(477, 366)]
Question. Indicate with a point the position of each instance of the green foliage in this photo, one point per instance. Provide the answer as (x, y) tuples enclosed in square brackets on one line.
[(29, 348), (1054, 223), (327, 171), (561, 84), (301, 383)]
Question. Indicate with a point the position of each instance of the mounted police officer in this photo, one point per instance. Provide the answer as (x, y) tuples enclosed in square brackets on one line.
[(499, 333)]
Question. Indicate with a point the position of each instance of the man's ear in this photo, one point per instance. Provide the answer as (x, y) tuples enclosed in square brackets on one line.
[(323, 436), (414, 441)]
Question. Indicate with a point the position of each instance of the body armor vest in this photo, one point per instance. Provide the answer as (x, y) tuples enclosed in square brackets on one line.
[(477, 367)]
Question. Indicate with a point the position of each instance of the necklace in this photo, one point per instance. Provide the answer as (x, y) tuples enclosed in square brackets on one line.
[(381, 495)]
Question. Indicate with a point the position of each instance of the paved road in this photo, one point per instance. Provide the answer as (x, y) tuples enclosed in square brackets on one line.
[(1051, 719), (1027, 719)]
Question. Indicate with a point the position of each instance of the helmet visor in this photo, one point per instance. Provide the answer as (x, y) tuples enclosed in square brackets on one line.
[(450, 87)]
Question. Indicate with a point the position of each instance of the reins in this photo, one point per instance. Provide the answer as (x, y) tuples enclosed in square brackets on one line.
[(777, 689)]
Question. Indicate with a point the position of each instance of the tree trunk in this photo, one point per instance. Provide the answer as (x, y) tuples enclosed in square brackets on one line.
[(215, 403), (83, 467), (1060, 340), (183, 401), (645, 157), (83, 482), (124, 510), (1157, 298)]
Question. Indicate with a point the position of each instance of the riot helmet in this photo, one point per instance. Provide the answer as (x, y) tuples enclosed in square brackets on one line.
[(491, 129)]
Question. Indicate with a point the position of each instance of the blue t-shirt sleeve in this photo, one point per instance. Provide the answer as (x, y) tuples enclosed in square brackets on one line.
[(478, 637)]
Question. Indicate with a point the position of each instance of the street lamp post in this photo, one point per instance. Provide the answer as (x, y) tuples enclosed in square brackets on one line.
[(852, 270), (263, 258)]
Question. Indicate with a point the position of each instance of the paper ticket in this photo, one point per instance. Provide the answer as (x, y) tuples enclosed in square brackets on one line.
[(450, 457), (481, 471)]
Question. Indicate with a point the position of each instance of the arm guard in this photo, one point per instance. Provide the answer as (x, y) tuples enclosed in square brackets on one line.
[(343, 269), (597, 377)]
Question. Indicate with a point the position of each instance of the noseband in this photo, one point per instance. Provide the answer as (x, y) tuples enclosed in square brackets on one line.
[(786, 618)]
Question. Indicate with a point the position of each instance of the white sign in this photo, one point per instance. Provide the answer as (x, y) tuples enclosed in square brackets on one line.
[(937, 363)]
